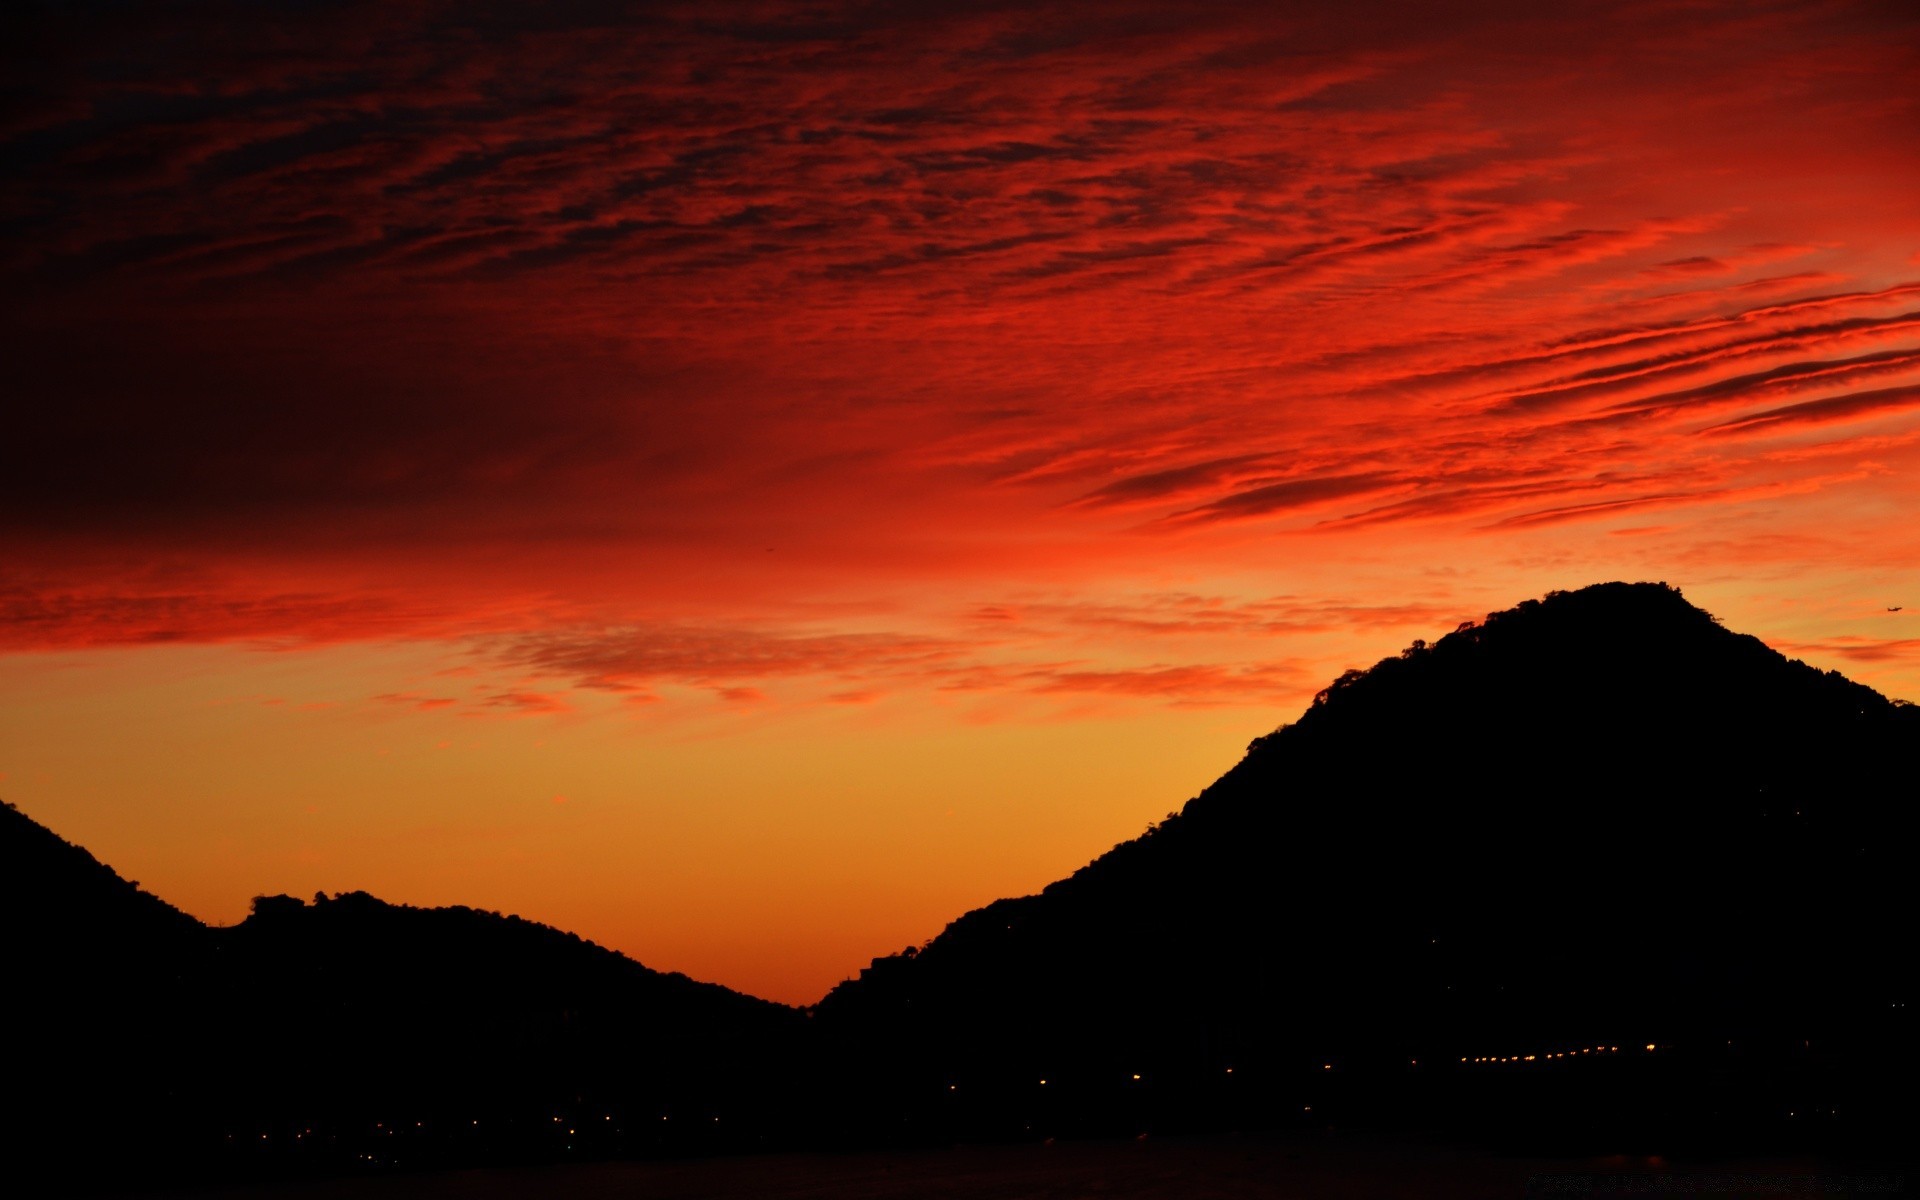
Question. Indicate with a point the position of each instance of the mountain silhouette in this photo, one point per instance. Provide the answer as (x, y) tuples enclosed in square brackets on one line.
[(95, 996), (74, 891), (1590, 824), (1593, 869), (315, 1036)]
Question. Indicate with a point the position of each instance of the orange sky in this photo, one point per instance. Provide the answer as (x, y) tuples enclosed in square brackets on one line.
[(747, 483)]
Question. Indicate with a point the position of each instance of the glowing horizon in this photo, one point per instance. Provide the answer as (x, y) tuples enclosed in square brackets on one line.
[(748, 483)]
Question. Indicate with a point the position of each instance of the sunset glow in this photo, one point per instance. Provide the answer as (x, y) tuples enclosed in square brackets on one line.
[(750, 482)]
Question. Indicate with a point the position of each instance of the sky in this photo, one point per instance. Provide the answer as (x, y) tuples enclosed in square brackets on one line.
[(749, 482)]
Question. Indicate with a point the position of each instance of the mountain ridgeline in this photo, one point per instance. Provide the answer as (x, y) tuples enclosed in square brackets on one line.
[(1593, 869), (349, 1033), (1593, 821)]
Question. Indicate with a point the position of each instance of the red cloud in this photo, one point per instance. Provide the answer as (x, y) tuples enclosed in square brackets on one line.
[(525, 703), (1847, 407), (406, 321), (1857, 649)]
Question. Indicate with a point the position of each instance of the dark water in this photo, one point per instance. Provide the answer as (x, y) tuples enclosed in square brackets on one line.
[(1321, 1166)]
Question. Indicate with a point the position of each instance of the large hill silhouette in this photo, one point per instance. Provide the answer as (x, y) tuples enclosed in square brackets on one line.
[(1593, 869), (1596, 820)]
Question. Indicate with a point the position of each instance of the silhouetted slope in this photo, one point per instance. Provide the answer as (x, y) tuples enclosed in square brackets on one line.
[(379, 1011), (1594, 819), (51, 890), (140, 1042), (97, 987)]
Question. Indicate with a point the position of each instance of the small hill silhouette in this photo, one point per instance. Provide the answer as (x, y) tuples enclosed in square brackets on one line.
[(1595, 820), (376, 1010), (348, 1031)]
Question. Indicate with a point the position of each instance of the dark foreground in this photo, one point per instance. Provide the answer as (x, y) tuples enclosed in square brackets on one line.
[(1594, 874), (1308, 1166)]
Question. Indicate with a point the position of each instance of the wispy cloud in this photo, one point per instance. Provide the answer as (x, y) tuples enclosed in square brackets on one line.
[(578, 336)]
